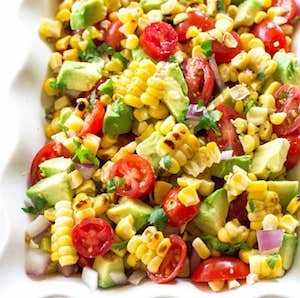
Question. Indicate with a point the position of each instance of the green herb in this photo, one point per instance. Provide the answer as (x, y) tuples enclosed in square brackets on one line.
[(166, 160), (229, 147), (249, 105), (114, 183), (158, 218), (84, 155), (120, 245), (105, 49), (56, 85), (295, 20), (38, 205), (261, 76), (93, 99), (252, 206), (124, 60), (90, 54), (206, 47), (284, 95), (173, 59), (208, 119), (220, 6), (272, 260), (107, 88)]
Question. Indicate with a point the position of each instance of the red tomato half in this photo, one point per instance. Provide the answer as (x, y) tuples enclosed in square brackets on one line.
[(289, 5), (220, 268), (50, 150), (94, 120), (138, 174), (224, 54), (199, 78), (293, 155), (195, 18), (178, 213), (288, 100), (113, 36), (272, 36), (159, 40), (92, 237), (228, 135), (173, 261)]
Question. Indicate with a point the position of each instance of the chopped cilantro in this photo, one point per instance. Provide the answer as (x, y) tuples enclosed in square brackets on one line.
[(84, 155), (173, 59), (249, 105), (261, 76), (220, 6), (38, 205), (124, 60), (114, 183), (284, 95), (107, 88), (56, 85), (158, 218), (120, 245), (93, 99), (105, 49), (272, 260), (295, 20), (229, 147), (206, 47), (166, 160), (252, 206)]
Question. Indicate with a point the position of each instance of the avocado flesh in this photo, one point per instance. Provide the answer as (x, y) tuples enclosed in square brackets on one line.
[(223, 98), (286, 190), (104, 265), (87, 13), (246, 12), (223, 168), (148, 5), (52, 189), (126, 206), (139, 55), (79, 76), (288, 250), (288, 68), (56, 165), (213, 212)]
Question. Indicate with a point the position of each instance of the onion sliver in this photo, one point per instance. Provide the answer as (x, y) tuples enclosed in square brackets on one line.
[(87, 169), (218, 79), (136, 277), (37, 262), (119, 278), (90, 278), (37, 227), (225, 155), (269, 239)]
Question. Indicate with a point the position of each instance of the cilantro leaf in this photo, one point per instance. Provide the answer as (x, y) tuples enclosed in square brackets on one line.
[(120, 245), (166, 160), (206, 47), (107, 88), (252, 206), (105, 49), (249, 105), (173, 59), (38, 205), (220, 6), (158, 218), (56, 85), (84, 155), (261, 76), (295, 20), (229, 147), (272, 260), (114, 183), (284, 95), (124, 60)]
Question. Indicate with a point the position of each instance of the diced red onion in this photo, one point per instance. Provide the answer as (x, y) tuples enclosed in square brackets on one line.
[(119, 278), (269, 239), (192, 116), (38, 227), (90, 277), (67, 270), (225, 155), (87, 169), (194, 260), (218, 79), (136, 277), (37, 262)]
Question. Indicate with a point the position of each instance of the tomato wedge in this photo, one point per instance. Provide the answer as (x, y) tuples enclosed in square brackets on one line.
[(293, 155), (228, 135), (172, 263), (138, 174), (48, 151), (92, 237), (178, 213), (159, 40), (289, 5), (113, 36), (220, 268), (199, 78), (237, 209)]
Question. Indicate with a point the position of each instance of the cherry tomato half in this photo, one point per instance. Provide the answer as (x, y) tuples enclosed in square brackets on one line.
[(113, 36), (138, 174), (199, 78), (272, 36), (220, 268), (228, 135), (48, 151), (289, 5), (172, 262), (224, 54), (159, 40), (92, 237), (178, 213), (195, 18), (293, 155), (237, 209), (288, 100)]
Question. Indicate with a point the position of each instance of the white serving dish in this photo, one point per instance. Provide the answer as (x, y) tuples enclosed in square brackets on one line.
[(22, 129)]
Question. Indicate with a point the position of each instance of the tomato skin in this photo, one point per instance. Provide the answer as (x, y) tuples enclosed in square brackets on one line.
[(48, 151), (237, 209), (270, 33), (159, 40), (172, 262), (199, 78), (178, 213), (138, 174), (93, 122), (113, 36), (92, 237), (195, 18), (224, 54), (220, 268), (289, 5), (293, 155), (85, 262), (228, 134)]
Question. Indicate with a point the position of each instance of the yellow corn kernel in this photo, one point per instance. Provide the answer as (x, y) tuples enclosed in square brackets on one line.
[(148, 256), (245, 254), (167, 125), (141, 114), (115, 65), (239, 106), (125, 227), (257, 195), (293, 205), (141, 250), (133, 101), (259, 17), (92, 143), (271, 67), (188, 196), (163, 247), (63, 43), (50, 28), (161, 188), (256, 225), (128, 28), (132, 42), (175, 167), (246, 77), (275, 11), (50, 214), (224, 24), (223, 235), (240, 61), (159, 112), (278, 118), (217, 285), (63, 15), (48, 89), (201, 248), (76, 179), (153, 265), (101, 204), (232, 11), (267, 3), (248, 143), (267, 100), (74, 41), (257, 186), (133, 243), (74, 122), (82, 45), (240, 124), (185, 180), (245, 40), (251, 240), (55, 61), (107, 141), (288, 223), (265, 131), (257, 115), (61, 102), (206, 187), (87, 187), (192, 31), (124, 151), (71, 55), (107, 153), (131, 260), (270, 222), (272, 88)]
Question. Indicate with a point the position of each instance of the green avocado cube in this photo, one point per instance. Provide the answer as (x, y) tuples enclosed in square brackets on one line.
[(288, 250), (247, 11), (148, 5), (56, 165)]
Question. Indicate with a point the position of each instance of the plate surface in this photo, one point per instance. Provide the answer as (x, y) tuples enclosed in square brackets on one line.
[(22, 135)]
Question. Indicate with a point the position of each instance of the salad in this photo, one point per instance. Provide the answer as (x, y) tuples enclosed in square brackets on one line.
[(173, 146)]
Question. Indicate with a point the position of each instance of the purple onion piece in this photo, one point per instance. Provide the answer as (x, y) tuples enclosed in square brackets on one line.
[(269, 239), (36, 262), (87, 169), (67, 270), (37, 227), (194, 261), (218, 79), (136, 277)]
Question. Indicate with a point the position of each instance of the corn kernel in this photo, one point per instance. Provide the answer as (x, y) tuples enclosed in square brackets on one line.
[(63, 43), (131, 260), (55, 61), (87, 187), (293, 205), (259, 17), (161, 188), (270, 222), (50, 214), (201, 248), (91, 142), (50, 28), (278, 118), (47, 87), (76, 179), (132, 42), (245, 254), (74, 122), (101, 204), (288, 223), (133, 243), (188, 196), (217, 285), (153, 265), (163, 247), (71, 55), (125, 228)]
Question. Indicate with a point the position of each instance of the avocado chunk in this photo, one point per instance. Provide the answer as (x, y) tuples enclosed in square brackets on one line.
[(246, 12), (56, 165), (223, 168), (223, 98), (118, 118), (176, 90), (52, 189), (139, 55), (269, 158), (294, 173), (138, 209), (79, 76), (147, 149), (105, 265), (288, 68), (288, 250), (64, 114), (87, 13), (285, 189), (148, 5), (213, 212)]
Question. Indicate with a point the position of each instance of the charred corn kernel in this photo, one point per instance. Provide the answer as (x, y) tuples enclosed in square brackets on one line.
[(278, 118), (63, 43), (265, 131), (239, 106), (293, 205), (270, 222), (201, 248), (74, 122), (124, 151), (240, 124), (87, 187), (92, 143), (163, 247), (50, 214), (83, 209), (107, 153), (133, 243), (50, 28), (161, 188), (72, 55), (61, 102), (48, 89), (133, 101), (188, 196), (131, 260), (141, 114), (245, 254), (154, 264), (288, 223), (107, 141), (101, 203), (240, 61), (132, 42), (152, 237), (55, 61), (257, 186), (159, 112), (76, 179), (167, 125), (125, 228), (217, 285)]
